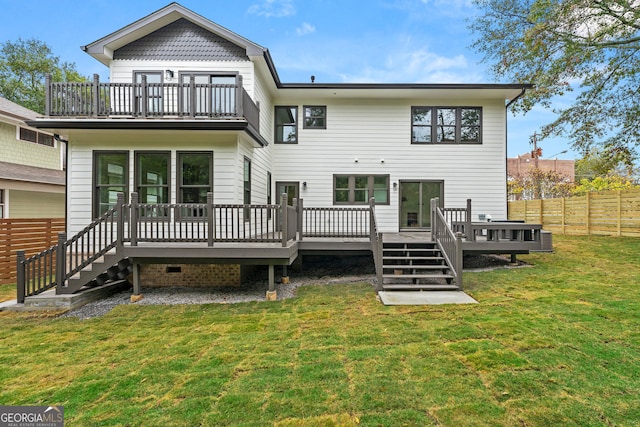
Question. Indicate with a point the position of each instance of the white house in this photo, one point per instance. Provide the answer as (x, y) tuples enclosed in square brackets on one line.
[(193, 108)]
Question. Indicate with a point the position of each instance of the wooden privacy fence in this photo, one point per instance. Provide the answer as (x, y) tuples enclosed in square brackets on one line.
[(29, 235), (608, 213)]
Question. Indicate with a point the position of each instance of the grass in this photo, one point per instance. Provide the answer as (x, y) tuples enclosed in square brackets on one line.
[(557, 344)]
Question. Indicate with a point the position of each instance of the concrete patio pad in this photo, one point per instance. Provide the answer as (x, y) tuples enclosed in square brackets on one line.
[(425, 297)]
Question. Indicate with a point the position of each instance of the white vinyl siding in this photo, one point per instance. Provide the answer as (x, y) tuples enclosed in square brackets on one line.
[(378, 135)]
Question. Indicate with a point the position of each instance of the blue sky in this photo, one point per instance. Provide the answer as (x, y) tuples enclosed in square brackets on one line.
[(380, 41)]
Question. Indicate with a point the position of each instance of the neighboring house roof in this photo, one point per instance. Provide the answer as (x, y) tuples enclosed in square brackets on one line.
[(182, 40), (14, 172), (15, 111)]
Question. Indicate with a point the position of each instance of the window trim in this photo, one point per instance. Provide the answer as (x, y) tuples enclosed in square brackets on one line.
[(276, 125), (41, 138), (2, 203), (370, 188), (95, 191), (179, 184), (138, 94), (246, 187), (304, 117), (458, 125), (136, 180)]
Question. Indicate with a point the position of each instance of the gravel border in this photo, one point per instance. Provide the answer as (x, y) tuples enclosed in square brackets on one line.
[(317, 271)]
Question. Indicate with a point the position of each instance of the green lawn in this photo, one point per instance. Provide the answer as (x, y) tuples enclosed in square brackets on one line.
[(557, 344)]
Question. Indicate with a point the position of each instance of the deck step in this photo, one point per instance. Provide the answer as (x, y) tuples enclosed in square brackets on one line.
[(417, 276), (419, 287), (416, 267)]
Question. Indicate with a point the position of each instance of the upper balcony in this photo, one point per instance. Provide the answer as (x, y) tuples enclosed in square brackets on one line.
[(144, 100)]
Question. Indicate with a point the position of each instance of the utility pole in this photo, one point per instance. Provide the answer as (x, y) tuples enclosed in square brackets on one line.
[(536, 153)]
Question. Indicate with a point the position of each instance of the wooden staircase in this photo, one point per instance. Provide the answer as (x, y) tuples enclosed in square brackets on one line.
[(416, 266), (109, 267)]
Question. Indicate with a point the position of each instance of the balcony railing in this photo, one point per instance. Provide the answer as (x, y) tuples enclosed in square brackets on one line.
[(151, 100)]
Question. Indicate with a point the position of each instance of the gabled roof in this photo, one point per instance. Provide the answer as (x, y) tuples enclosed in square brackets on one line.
[(15, 111), (104, 48), (15, 172), (182, 40)]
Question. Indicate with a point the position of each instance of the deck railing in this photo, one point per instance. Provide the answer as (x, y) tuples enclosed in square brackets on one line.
[(450, 243), (134, 223), (144, 99)]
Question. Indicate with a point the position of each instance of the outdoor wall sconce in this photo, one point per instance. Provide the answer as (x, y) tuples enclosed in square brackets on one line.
[(381, 160), (395, 185), (355, 160), (168, 74), (304, 185)]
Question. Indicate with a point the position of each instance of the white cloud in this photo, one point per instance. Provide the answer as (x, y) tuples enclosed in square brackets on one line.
[(273, 8), (305, 29)]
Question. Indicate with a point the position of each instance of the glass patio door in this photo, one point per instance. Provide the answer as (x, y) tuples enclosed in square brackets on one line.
[(415, 200)]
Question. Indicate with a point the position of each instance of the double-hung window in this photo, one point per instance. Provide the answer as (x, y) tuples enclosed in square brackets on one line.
[(195, 180), (315, 116), (358, 189), (246, 187), (446, 125), (1, 204), (152, 182), (286, 125), (111, 176)]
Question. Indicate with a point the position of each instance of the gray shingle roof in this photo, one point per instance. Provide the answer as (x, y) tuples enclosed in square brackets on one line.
[(14, 172), (182, 40), (18, 111)]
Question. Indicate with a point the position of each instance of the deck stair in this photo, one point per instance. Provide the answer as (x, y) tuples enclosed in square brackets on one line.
[(107, 268), (416, 266)]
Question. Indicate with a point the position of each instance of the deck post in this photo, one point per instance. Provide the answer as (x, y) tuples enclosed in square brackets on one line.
[(61, 261), (459, 262), (470, 235), (300, 213), (192, 96), (136, 278), (210, 219), (47, 95), (133, 218), (283, 215), (271, 293), (295, 207), (96, 95), (21, 285), (434, 223), (145, 97), (379, 261), (239, 107), (120, 222)]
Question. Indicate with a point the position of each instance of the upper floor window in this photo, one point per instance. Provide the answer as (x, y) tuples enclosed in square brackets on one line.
[(358, 189), (37, 137), (446, 125), (214, 94), (286, 125), (153, 92), (315, 116)]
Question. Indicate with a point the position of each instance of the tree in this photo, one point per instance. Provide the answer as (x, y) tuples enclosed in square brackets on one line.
[(539, 184), (600, 163), (591, 46), (23, 66)]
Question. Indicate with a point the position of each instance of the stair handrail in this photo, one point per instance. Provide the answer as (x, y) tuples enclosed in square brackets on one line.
[(376, 243), (54, 265), (92, 242), (449, 242)]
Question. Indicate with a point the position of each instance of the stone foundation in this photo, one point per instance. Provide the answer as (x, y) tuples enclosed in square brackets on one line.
[(190, 275)]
